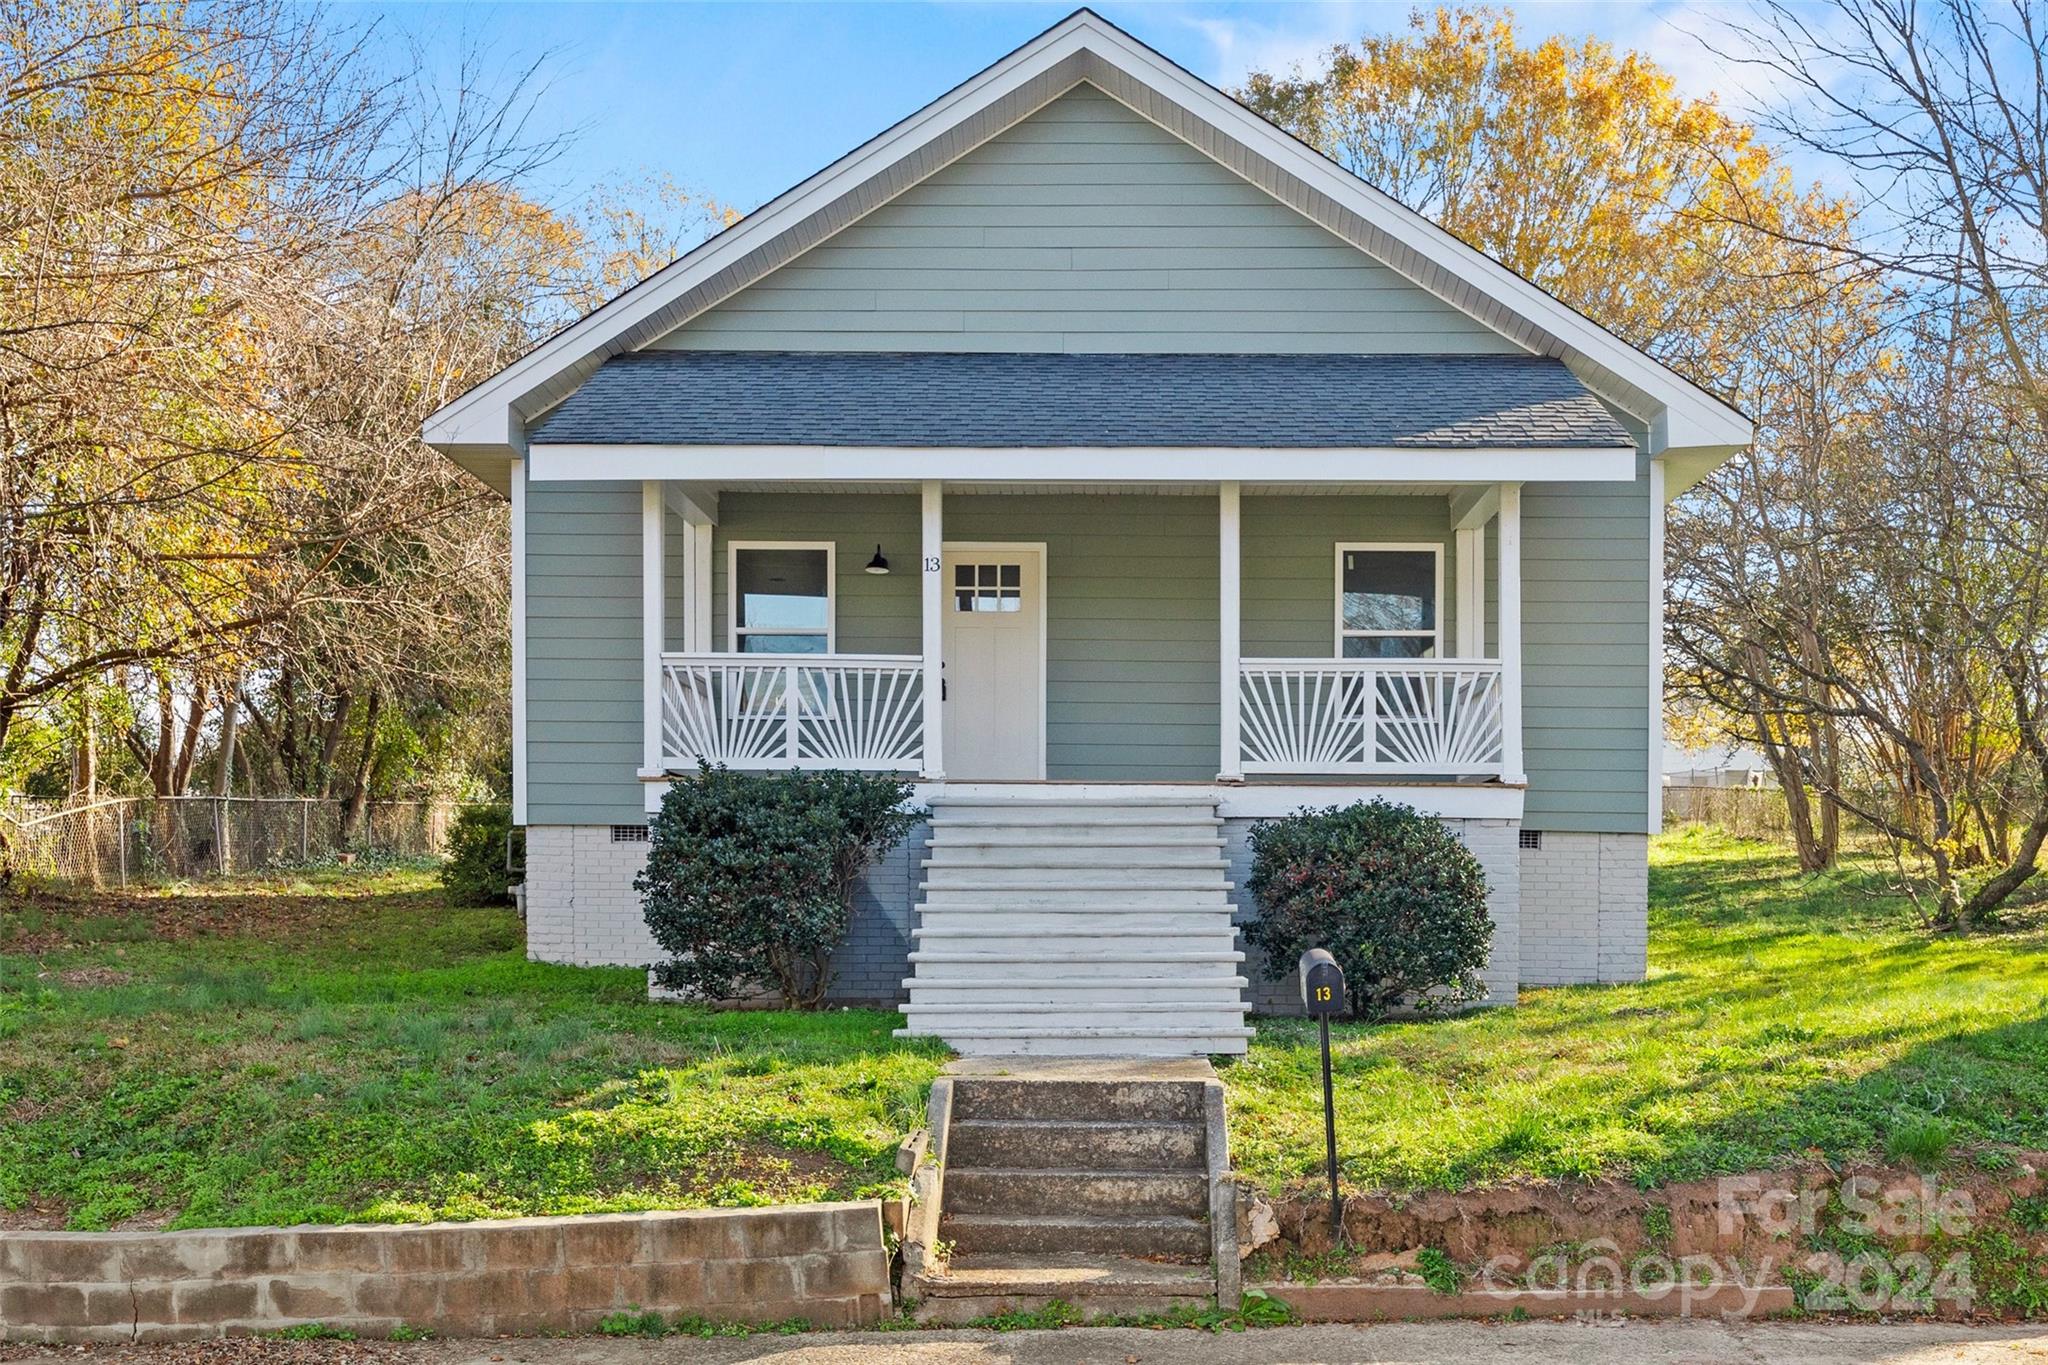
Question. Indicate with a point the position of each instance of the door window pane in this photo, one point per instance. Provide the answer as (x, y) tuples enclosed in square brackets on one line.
[(988, 587)]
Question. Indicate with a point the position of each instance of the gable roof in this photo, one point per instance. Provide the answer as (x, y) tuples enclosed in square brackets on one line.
[(1042, 400), (486, 426)]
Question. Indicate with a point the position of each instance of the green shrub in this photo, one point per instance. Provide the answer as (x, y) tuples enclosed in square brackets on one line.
[(475, 872), (749, 877), (1397, 900)]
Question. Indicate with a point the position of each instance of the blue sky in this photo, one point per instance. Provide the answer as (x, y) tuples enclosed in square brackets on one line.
[(741, 101)]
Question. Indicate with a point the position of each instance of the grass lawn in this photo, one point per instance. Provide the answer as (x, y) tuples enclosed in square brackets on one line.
[(348, 1047), (1783, 1015)]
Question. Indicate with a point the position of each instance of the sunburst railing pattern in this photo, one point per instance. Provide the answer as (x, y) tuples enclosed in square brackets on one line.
[(1393, 716), (861, 711)]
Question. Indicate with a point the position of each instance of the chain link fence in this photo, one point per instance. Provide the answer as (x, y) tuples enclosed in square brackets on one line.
[(120, 840), (1746, 812)]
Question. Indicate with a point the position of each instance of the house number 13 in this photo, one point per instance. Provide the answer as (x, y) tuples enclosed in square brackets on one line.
[(931, 564)]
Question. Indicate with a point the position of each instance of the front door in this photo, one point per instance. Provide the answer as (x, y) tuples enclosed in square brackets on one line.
[(994, 662)]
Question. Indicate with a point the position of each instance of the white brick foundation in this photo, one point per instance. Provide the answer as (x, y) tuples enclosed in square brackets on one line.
[(1585, 909), (1575, 912)]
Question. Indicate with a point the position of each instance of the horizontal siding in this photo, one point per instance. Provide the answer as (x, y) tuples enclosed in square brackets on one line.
[(876, 613), (583, 693), (1290, 566), (1586, 655), (1086, 228)]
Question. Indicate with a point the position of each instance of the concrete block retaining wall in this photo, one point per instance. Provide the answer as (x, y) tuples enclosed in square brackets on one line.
[(822, 1262)]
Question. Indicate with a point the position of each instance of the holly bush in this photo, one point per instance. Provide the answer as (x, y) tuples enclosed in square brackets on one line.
[(749, 877), (1392, 893)]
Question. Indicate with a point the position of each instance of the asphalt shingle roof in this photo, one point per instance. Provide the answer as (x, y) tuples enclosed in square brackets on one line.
[(1443, 402)]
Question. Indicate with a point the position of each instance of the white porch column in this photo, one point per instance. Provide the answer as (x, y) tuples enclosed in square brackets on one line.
[(652, 568), (932, 579), (1471, 643), (1511, 633), (1230, 568), (1470, 511)]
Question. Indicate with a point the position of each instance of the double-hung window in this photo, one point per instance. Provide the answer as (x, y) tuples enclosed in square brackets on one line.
[(1389, 601), (780, 598)]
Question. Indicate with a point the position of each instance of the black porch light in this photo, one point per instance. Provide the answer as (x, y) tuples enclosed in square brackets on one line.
[(878, 564)]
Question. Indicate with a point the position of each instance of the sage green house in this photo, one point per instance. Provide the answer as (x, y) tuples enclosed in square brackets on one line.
[(1123, 472)]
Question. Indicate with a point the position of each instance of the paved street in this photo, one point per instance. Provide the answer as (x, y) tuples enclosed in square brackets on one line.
[(1467, 1343)]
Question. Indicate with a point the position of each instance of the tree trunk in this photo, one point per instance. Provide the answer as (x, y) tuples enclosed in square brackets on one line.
[(85, 754), (358, 803), (230, 721)]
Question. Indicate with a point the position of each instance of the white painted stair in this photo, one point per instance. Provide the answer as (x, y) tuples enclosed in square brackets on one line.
[(1056, 926)]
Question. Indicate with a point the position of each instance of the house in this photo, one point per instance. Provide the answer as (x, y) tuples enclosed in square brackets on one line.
[(1715, 765), (1124, 472)]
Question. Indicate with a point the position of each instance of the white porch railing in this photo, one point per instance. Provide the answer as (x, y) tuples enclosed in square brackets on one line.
[(1390, 716), (783, 711)]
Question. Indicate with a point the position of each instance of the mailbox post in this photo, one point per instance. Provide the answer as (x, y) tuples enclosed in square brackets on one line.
[(1322, 994)]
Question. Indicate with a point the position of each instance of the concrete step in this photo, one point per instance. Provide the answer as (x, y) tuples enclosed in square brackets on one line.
[(1039, 1098), (1163, 1238), (1123, 857), (1114, 879), (1054, 945), (1059, 926), (1174, 836), (1050, 990), (982, 1284), (1105, 1144), (1092, 1043), (1097, 1194), (1136, 963), (1017, 808), (954, 896), (1179, 1018)]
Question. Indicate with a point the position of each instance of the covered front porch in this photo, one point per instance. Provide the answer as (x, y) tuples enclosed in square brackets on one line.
[(966, 632)]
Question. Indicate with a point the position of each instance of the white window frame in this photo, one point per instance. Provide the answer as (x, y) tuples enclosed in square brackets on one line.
[(1433, 547), (733, 629)]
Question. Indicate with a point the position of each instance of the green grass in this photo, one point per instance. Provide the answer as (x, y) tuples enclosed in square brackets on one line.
[(346, 1047), (1783, 1016)]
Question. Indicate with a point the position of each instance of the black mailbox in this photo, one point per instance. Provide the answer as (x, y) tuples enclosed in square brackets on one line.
[(1322, 982)]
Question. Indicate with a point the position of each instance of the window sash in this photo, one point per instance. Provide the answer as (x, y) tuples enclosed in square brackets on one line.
[(1433, 634), (737, 634)]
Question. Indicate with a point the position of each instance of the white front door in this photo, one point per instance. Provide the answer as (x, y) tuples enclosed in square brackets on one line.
[(994, 662)]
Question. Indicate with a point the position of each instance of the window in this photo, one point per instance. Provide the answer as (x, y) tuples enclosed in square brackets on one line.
[(1387, 598), (781, 599), (988, 587)]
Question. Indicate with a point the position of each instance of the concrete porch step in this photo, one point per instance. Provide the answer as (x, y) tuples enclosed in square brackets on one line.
[(1166, 1238), (995, 990), (1075, 857), (1197, 921), (1042, 1191), (1025, 877), (1096, 1144), (1084, 1094), (982, 1284), (1048, 1042), (1093, 899), (1153, 963)]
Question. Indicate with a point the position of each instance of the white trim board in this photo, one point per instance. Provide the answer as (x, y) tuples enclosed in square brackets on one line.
[(489, 420), (1091, 464), (1246, 800)]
